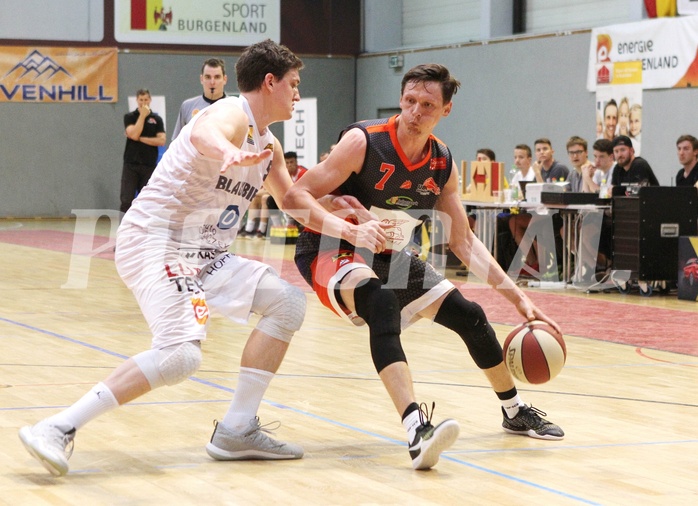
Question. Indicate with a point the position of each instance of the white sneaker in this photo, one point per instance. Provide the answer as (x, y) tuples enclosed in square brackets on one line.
[(49, 445), (429, 441), (253, 444)]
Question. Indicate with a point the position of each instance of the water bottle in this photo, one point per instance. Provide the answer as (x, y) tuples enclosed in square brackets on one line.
[(603, 190)]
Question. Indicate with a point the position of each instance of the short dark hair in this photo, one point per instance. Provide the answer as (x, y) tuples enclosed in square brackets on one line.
[(543, 140), (290, 154), (574, 140), (610, 102), (143, 91), (432, 72), (689, 138), (263, 58), (488, 153), (215, 63), (604, 146), (526, 148)]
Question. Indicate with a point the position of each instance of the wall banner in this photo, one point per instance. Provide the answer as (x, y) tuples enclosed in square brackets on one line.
[(198, 22), (58, 74), (300, 132), (619, 102), (667, 48)]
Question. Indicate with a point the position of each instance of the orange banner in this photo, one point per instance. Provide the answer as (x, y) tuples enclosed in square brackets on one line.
[(58, 74)]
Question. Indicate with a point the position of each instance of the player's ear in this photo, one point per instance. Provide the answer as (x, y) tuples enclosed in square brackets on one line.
[(269, 80), (447, 110)]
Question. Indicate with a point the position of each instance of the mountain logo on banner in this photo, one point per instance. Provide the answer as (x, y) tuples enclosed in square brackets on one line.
[(37, 63)]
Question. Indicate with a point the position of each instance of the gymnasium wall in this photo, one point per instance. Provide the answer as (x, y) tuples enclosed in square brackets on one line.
[(59, 157), (517, 90)]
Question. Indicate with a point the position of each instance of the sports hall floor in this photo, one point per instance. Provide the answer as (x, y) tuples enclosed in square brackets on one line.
[(626, 398)]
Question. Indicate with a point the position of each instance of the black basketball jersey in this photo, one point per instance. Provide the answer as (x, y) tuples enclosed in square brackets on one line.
[(388, 180)]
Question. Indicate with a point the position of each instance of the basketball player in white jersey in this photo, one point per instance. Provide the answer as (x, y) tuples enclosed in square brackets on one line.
[(172, 252)]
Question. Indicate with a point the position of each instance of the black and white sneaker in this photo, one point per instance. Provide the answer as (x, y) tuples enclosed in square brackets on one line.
[(429, 441), (529, 422)]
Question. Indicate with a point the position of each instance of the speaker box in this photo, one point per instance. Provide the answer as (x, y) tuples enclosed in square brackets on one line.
[(646, 230)]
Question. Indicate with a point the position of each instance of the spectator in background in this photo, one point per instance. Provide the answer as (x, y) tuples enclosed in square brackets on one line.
[(546, 168), (213, 80), (295, 171), (595, 179), (577, 151), (145, 131), (687, 147), (630, 168), (485, 155), (522, 161), (601, 172), (610, 119)]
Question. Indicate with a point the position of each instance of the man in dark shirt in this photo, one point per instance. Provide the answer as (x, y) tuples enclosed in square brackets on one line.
[(145, 131), (630, 168), (687, 147), (546, 168)]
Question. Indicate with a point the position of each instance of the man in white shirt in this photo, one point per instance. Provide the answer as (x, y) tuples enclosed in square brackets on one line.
[(172, 252), (601, 172)]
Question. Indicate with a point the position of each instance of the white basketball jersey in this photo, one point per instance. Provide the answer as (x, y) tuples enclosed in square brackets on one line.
[(188, 200)]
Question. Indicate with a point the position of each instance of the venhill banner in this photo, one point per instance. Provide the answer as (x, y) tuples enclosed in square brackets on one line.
[(667, 48), (58, 74), (207, 22)]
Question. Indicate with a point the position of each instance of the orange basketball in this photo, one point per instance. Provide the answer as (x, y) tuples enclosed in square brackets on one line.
[(534, 352)]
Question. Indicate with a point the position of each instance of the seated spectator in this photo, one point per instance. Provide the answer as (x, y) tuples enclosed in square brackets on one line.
[(630, 168), (546, 169), (295, 171), (687, 148), (524, 168), (257, 217), (601, 172), (579, 159), (596, 179)]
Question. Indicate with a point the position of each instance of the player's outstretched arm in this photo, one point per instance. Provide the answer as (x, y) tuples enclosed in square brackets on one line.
[(219, 134)]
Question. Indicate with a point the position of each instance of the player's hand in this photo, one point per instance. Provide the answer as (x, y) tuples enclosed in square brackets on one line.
[(537, 166), (529, 311), (243, 158), (588, 169), (144, 110), (349, 206), (370, 235)]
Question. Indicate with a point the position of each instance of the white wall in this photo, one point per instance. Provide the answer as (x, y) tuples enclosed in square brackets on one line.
[(75, 20)]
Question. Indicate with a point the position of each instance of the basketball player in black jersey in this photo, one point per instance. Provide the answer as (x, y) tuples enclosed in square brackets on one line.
[(357, 263)]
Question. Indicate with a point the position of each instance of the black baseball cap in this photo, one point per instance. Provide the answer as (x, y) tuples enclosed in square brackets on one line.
[(622, 140)]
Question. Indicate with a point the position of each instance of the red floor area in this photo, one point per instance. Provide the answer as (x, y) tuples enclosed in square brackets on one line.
[(614, 321)]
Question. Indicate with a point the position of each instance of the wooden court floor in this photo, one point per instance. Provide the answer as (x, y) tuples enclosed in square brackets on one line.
[(628, 409)]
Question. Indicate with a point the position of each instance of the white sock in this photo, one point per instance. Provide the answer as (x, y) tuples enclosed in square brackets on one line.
[(411, 423), (97, 401), (511, 406), (252, 383), (262, 227), (249, 226)]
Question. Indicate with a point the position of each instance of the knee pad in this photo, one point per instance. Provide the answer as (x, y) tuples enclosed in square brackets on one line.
[(281, 305), (170, 365), (380, 309), (468, 320)]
